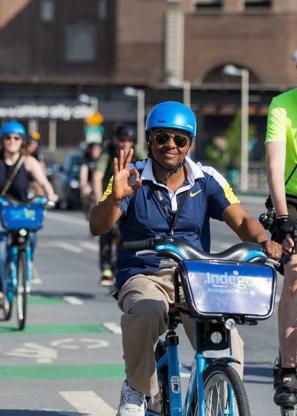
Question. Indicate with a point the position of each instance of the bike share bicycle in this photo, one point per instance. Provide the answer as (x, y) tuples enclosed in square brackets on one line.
[(19, 221), (220, 290)]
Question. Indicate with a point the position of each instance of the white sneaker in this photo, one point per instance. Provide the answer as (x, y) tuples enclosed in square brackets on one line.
[(132, 403)]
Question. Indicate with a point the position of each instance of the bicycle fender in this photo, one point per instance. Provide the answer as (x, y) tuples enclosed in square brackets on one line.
[(224, 361)]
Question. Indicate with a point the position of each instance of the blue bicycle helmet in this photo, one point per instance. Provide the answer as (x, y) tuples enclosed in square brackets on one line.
[(13, 126), (172, 114)]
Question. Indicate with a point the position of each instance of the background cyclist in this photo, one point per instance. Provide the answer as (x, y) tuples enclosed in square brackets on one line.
[(32, 149), (135, 196), (124, 138), (281, 159), (13, 137), (89, 179)]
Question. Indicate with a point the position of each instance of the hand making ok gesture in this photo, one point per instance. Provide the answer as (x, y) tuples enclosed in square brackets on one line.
[(125, 181)]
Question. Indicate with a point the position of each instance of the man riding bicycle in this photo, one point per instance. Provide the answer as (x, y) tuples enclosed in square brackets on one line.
[(167, 194), (281, 159)]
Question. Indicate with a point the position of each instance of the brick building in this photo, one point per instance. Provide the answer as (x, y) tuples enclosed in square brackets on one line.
[(51, 51)]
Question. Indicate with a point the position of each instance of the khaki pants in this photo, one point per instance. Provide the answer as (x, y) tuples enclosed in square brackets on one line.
[(145, 301)]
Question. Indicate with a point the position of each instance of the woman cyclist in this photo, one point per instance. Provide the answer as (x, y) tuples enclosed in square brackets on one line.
[(16, 172)]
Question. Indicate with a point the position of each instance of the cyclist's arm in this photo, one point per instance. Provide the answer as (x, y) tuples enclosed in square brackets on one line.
[(275, 149), (275, 163), (104, 215), (117, 195), (243, 224), (83, 175), (34, 167), (97, 187)]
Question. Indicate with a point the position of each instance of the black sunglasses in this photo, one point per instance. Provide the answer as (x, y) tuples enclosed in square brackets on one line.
[(11, 137), (179, 139)]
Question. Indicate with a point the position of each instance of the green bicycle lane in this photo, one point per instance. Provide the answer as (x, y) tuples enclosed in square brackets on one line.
[(58, 351)]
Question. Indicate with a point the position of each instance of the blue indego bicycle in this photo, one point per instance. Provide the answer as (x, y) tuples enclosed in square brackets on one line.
[(218, 291), (19, 222)]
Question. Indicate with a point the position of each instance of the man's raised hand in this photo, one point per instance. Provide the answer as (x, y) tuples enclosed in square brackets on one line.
[(125, 181)]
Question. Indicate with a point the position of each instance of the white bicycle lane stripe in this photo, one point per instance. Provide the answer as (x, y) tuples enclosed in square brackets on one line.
[(87, 402), (71, 219)]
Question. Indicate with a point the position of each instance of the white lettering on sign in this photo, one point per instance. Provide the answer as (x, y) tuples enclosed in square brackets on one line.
[(56, 111)]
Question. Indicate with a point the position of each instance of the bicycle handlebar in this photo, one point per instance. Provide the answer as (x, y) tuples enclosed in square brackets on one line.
[(141, 244), (37, 200), (179, 249)]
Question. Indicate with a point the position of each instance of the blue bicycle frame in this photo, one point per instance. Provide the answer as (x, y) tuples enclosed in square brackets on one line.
[(169, 359), (13, 251), (20, 223)]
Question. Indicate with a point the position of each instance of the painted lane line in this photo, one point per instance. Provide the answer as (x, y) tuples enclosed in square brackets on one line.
[(113, 327), (67, 218), (36, 279), (89, 246), (66, 246), (73, 300), (87, 402)]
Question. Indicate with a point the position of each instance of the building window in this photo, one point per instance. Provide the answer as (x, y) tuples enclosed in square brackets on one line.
[(257, 3), (80, 42), (208, 3), (102, 9), (47, 10)]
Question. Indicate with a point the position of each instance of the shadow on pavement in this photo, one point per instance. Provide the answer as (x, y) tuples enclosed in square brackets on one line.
[(258, 369)]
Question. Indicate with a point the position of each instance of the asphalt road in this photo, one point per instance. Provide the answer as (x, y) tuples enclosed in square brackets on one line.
[(68, 360)]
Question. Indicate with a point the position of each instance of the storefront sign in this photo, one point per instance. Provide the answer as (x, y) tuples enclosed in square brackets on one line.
[(56, 111)]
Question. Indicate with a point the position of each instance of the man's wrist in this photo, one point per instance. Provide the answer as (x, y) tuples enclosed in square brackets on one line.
[(115, 202)]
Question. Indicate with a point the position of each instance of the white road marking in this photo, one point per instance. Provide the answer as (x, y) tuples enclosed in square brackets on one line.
[(37, 352), (60, 244), (113, 327), (89, 246), (87, 402), (36, 279), (67, 218), (81, 343), (73, 300)]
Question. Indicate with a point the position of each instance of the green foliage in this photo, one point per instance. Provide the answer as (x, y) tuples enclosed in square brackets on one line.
[(229, 153)]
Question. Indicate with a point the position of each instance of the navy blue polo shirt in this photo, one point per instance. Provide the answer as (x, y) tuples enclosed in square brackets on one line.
[(143, 216)]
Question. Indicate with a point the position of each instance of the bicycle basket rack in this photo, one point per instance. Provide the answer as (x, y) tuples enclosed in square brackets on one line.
[(22, 216), (216, 288)]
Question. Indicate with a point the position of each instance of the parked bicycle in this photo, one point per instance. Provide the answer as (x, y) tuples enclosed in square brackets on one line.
[(220, 290), (19, 222)]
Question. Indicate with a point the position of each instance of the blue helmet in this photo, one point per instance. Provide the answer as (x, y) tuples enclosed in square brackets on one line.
[(12, 126), (172, 114)]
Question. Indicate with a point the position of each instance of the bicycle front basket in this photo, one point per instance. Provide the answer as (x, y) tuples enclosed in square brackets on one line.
[(216, 288), (14, 217)]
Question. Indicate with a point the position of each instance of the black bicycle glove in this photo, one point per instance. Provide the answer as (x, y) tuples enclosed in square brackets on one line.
[(285, 224)]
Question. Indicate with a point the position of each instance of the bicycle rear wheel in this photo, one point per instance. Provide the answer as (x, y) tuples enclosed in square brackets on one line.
[(224, 393), (21, 294)]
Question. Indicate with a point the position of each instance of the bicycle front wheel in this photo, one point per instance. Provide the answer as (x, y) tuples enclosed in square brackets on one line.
[(21, 295), (7, 290), (224, 393)]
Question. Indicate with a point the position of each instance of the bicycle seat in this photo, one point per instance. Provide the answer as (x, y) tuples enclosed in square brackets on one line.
[(238, 252)]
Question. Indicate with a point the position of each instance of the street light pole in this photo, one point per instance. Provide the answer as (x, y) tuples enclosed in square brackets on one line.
[(244, 168), (187, 93), (244, 153), (140, 118), (140, 95)]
